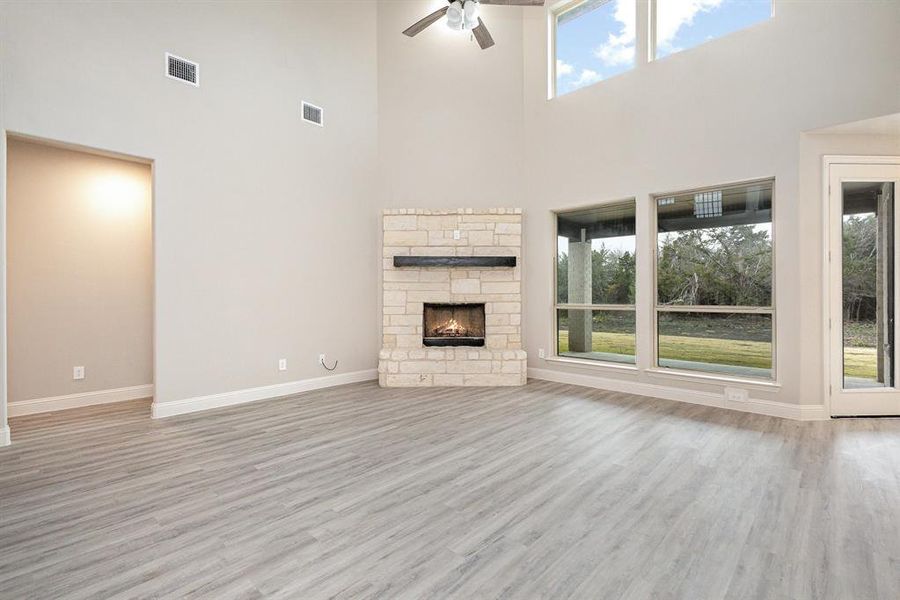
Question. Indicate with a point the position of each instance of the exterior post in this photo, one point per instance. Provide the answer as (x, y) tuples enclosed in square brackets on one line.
[(580, 288), (884, 289)]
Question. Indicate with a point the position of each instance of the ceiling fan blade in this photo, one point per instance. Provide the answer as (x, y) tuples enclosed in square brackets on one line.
[(514, 2), (482, 35), (421, 24)]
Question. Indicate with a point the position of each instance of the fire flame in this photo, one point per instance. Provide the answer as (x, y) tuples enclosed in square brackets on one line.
[(451, 328)]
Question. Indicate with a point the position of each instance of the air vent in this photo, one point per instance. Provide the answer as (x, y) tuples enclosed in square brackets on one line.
[(313, 114), (182, 69)]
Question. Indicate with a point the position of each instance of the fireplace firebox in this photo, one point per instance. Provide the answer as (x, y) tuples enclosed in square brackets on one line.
[(453, 325)]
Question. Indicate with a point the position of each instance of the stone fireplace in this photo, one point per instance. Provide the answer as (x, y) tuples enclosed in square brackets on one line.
[(452, 304)]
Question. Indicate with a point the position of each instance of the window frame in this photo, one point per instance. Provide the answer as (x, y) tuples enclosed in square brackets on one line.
[(658, 308), (645, 36), (556, 306), (558, 10), (651, 31)]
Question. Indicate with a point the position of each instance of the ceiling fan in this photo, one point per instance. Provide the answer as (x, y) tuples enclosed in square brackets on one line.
[(462, 15)]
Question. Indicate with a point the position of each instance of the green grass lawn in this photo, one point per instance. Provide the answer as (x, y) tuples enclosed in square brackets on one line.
[(859, 362), (614, 343)]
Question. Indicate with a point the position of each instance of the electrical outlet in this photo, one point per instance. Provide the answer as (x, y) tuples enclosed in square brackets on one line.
[(736, 394), (541, 353), (321, 359), (282, 364), (456, 234), (78, 373)]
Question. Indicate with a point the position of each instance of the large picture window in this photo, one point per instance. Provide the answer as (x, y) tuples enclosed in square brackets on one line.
[(714, 274), (595, 280)]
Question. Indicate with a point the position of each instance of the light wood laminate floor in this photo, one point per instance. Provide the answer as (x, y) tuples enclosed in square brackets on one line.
[(547, 491)]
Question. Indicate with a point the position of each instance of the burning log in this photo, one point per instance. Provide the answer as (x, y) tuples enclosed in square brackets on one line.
[(451, 328)]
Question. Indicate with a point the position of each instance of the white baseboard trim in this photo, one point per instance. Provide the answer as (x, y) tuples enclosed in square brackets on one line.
[(188, 405), (53, 403), (808, 412), (5, 439)]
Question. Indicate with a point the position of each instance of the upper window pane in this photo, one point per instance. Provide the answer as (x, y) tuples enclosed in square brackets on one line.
[(682, 24), (595, 258), (715, 247), (594, 41)]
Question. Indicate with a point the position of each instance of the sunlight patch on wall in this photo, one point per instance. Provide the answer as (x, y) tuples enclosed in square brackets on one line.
[(119, 197)]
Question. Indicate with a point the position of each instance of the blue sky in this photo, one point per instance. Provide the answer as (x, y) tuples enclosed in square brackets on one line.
[(600, 43)]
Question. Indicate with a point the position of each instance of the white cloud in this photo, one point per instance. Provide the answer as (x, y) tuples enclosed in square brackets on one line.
[(613, 52), (587, 77), (671, 15), (618, 49)]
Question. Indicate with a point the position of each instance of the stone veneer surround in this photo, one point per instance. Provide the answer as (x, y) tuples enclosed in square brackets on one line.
[(404, 360)]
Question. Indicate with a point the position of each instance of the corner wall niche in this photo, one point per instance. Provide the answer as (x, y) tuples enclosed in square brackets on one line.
[(452, 285)]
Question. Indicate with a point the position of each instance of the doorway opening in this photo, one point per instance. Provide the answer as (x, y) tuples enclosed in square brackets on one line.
[(80, 275), (863, 267)]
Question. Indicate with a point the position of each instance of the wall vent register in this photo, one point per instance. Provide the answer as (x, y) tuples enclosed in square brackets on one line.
[(182, 69), (313, 114)]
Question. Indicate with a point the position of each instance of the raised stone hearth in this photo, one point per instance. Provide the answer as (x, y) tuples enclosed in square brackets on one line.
[(480, 354)]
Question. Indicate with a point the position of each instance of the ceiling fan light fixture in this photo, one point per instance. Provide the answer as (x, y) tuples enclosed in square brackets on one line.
[(470, 15), (462, 15), (455, 17)]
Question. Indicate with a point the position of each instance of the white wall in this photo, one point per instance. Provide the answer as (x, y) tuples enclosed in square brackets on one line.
[(729, 110), (264, 225), (244, 190), (79, 272), (450, 114)]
